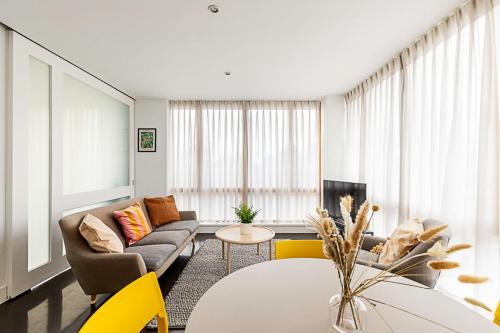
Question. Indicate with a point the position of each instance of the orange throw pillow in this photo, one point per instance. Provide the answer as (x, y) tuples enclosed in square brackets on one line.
[(162, 210), (133, 222)]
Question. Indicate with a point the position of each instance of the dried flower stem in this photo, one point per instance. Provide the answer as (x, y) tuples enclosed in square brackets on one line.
[(413, 314)]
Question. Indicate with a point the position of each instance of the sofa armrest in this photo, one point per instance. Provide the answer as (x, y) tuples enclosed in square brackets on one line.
[(107, 272), (188, 215), (370, 241)]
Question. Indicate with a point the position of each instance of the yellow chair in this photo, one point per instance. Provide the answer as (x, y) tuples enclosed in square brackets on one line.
[(299, 249), (130, 309), (496, 320)]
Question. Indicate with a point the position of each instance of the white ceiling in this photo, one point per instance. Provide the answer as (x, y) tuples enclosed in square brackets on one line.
[(275, 49)]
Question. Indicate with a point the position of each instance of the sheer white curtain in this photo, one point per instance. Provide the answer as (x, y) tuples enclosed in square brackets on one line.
[(353, 120), (283, 159), (446, 116), (372, 141), (450, 140), (205, 156), (265, 153)]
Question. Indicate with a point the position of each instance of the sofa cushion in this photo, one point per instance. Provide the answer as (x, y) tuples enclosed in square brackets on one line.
[(99, 236), (153, 255), (162, 210), (368, 256), (174, 237), (133, 222), (190, 225)]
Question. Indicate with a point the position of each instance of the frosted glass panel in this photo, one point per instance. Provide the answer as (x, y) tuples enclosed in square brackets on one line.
[(97, 205), (96, 139), (38, 164)]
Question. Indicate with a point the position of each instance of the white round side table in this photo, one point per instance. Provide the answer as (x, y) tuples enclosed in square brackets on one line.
[(231, 235)]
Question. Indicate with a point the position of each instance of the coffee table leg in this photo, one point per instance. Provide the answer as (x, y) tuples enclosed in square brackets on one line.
[(228, 255), (222, 249), (270, 249), (258, 248)]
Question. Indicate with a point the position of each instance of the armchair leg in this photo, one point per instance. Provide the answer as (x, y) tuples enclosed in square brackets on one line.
[(92, 299), (193, 240)]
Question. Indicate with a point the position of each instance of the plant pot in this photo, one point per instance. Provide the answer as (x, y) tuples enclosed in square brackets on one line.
[(353, 314), (245, 228)]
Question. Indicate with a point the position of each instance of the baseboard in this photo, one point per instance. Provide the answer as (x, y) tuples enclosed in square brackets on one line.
[(3, 294), (206, 228)]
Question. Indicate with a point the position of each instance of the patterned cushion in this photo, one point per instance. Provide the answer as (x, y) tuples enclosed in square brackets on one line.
[(133, 223)]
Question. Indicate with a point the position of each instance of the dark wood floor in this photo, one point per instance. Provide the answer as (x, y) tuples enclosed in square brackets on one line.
[(59, 305)]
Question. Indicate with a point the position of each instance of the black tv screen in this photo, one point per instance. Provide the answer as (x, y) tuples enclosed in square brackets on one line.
[(333, 190)]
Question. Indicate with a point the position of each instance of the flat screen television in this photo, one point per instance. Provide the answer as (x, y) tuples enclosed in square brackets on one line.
[(333, 190)]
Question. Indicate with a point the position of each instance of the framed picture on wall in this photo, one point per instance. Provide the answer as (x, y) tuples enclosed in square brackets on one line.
[(147, 140)]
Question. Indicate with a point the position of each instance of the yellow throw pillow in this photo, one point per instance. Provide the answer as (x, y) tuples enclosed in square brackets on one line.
[(402, 240), (99, 236)]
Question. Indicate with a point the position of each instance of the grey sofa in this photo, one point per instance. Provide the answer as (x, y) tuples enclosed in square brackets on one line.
[(99, 273), (426, 276)]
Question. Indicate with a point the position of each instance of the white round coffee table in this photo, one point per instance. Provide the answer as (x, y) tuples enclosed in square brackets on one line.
[(231, 235)]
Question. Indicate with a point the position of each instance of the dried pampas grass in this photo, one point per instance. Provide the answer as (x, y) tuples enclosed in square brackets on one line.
[(379, 248), (439, 265), (438, 251), (458, 247), (472, 279), (360, 225), (347, 203), (347, 247), (431, 233), (477, 303)]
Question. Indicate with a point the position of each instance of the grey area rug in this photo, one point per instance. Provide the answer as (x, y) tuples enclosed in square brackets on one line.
[(203, 270)]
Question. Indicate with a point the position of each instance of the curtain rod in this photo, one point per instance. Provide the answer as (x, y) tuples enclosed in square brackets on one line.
[(70, 62)]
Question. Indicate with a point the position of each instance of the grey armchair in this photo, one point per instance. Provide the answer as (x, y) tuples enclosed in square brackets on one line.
[(425, 275)]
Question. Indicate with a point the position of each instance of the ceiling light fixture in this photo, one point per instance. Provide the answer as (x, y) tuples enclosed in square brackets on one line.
[(213, 9), (227, 73)]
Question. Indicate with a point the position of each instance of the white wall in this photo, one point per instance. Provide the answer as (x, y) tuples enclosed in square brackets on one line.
[(150, 168), (333, 137), (3, 77)]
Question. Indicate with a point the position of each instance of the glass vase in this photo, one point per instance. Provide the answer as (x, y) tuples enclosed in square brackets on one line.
[(348, 315)]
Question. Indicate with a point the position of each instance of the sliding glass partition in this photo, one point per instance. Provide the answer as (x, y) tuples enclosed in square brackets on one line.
[(72, 142), (38, 133), (95, 139)]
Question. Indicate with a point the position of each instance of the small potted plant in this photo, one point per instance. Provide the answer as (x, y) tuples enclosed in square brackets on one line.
[(245, 214)]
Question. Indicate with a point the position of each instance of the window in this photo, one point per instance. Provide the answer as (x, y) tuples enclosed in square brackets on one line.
[(266, 153)]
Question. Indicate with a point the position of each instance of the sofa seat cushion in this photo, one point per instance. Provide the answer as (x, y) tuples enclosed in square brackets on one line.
[(154, 256), (190, 225), (174, 237), (368, 256)]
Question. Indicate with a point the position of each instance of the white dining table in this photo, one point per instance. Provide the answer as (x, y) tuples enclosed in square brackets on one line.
[(292, 296)]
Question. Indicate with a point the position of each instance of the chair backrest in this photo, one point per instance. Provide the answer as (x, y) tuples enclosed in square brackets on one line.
[(496, 319), (130, 309), (420, 272), (299, 249)]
